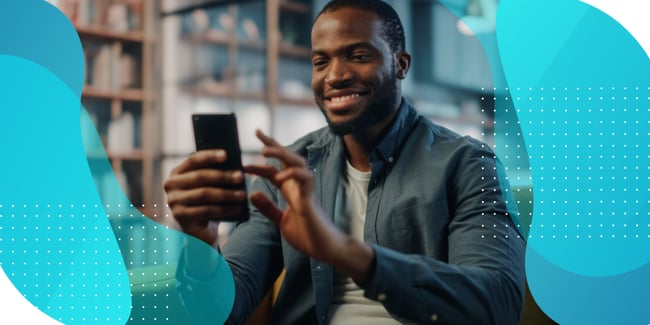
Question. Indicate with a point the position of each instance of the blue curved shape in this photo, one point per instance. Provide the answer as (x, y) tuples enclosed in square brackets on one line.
[(57, 245), (585, 123), (581, 88), (58, 240), (571, 298), (39, 32)]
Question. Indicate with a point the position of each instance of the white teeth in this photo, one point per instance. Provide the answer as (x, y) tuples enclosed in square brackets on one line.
[(344, 98)]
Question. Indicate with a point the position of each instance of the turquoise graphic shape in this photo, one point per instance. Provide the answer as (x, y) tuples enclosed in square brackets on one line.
[(62, 247), (39, 32), (57, 245), (151, 250), (581, 87)]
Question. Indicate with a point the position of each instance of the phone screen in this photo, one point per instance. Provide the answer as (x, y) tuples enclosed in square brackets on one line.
[(219, 131)]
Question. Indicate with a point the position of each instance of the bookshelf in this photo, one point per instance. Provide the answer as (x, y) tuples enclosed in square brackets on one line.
[(250, 57), (119, 44)]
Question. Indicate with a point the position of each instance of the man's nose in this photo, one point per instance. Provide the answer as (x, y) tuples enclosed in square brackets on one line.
[(338, 73)]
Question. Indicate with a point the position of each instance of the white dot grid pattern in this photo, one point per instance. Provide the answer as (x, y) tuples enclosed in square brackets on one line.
[(153, 300), (501, 229), (88, 282), (595, 147), (57, 255)]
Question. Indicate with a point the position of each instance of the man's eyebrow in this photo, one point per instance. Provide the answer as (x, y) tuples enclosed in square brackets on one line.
[(345, 49), (318, 53)]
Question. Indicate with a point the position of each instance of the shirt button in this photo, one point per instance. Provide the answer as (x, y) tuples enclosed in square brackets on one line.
[(381, 297), (434, 317), (391, 159)]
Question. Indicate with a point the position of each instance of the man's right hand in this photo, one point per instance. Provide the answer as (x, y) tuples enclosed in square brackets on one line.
[(198, 196)]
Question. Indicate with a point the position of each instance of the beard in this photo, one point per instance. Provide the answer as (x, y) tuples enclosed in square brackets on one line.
[(377, 110)]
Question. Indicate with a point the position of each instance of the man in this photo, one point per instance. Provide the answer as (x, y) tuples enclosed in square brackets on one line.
[(382, 217)]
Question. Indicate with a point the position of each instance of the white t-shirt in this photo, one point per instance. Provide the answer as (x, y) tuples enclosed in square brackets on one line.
[(349, 306)]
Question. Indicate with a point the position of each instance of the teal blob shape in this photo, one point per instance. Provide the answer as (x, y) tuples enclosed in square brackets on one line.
[(571, 298), (580, 86), (57, 245), (585, 125), (39, 32)]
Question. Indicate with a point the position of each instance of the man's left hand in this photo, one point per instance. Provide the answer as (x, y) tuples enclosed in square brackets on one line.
[(304, 224)]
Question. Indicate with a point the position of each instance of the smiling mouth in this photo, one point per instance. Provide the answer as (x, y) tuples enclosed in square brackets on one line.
[(343, 103), (345, 98)]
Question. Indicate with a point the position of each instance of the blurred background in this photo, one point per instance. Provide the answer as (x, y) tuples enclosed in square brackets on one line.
[(151, 64)]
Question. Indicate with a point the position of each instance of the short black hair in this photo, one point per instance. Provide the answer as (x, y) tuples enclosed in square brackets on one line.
[(393, 31)]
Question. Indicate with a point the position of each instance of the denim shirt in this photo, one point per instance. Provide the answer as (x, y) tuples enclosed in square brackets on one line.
[(447, 249)]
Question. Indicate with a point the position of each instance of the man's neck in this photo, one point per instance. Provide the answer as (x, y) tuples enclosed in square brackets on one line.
[(359, 145), (358, 152)]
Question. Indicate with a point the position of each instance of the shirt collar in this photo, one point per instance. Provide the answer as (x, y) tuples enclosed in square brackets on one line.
[(404, 121)]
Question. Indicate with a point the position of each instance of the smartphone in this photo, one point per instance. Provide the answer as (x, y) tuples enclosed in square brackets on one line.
[(219, 131)]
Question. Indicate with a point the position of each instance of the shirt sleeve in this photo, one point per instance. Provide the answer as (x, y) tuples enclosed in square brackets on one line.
[(208, 299), (483, 280)]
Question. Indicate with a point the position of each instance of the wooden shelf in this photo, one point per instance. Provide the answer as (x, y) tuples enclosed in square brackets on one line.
[(122, 57), (295, 7), (134, 36), (247, 73), (205, 4), (221, 38), (223, 92), (135, 155), (210, 37), (297, 101), (124, 94), (255, 45), (295, 51)]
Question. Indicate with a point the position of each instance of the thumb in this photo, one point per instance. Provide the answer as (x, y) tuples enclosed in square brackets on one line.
[(266, 207)]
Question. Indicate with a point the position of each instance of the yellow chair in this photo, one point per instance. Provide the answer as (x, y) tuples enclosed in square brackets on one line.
[(263, 312)]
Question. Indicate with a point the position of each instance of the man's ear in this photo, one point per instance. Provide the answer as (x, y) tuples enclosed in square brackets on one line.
[(403, 62)]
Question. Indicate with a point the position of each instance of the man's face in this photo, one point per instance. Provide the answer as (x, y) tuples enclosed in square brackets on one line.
[(353, 70)]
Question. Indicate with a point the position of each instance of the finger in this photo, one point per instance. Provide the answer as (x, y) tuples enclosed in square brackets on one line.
[(267, 172), (302, 175), (187, 214), (201, 159), (266, 207), (273, 149), (286, 156), (267, 140), (202, 178), (206, 196)]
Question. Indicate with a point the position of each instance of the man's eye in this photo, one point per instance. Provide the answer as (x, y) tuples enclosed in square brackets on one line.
[(361, 57), (319, 63)]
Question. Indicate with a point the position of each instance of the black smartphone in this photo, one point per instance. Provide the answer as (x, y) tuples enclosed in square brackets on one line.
[(219, 131)]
